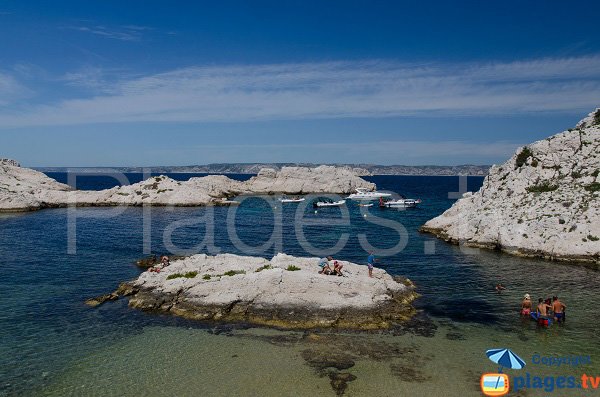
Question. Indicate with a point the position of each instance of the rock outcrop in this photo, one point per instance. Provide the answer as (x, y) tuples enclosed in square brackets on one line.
[(543, 202), (10, 162), (302, 180), (23, 189), (285, 292)]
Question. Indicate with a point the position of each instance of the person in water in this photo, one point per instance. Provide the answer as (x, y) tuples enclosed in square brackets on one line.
[(500, 288), (371, 262), (543, 308), (559, 309), (324, 265), (526, 305)]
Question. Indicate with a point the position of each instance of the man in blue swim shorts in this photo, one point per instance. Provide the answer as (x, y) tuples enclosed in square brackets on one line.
[(559, 310)]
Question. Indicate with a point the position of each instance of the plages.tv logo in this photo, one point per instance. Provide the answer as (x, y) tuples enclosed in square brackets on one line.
[(498, 384)]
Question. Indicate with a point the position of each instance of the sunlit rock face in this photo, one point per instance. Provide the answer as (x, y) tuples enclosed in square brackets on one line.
[(543, 202)]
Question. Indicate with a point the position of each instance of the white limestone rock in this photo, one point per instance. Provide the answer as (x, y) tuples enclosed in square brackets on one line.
[(25, 189), (543, 202), (302, 180), (265, 292)]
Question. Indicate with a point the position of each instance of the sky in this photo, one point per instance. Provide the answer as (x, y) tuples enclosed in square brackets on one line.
[(142, 83)]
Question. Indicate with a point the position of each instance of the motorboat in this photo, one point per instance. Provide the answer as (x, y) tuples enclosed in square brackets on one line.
[(329, 203), (400, 203), (366, 195), (366, 205), (284, 199)]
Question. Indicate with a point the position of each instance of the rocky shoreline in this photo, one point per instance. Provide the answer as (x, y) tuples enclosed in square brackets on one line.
[(23, 189), (286, 292), (543, 202)]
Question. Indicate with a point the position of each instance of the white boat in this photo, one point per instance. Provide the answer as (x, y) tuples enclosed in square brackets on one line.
[(320, 204), (400, 203), (292, 200), (366, 195), (366, 205)]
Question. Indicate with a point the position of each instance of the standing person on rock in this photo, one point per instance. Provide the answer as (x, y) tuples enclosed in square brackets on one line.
[(371, 262)]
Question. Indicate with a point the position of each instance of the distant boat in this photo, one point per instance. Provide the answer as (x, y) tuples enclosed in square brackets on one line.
[(363, 194), (329, 203), (284, 199), (366, 205), (400, 203)]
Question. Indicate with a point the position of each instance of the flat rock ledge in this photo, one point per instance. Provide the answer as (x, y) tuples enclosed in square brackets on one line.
[(543, 202), (286, 292)]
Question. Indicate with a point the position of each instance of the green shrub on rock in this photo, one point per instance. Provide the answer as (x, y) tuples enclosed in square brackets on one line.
[(522, 157), (542, 188), (292, 268), (265, 267), (593, 187), (234, 272)]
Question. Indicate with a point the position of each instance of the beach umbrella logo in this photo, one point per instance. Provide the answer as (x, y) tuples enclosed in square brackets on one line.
[(499, 384), (505, 359)]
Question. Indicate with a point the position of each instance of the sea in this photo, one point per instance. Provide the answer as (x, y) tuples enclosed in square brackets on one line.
[(52, 344)]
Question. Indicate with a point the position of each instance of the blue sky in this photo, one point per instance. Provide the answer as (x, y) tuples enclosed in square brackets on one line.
[(111, 83)]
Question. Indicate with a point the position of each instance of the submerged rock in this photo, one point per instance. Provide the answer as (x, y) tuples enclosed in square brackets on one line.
[(23, 189), (543, 202), (253, 290), (97, 301), (339, 381)]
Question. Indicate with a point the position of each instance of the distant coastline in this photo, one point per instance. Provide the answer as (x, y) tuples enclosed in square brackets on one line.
[(253, 168)]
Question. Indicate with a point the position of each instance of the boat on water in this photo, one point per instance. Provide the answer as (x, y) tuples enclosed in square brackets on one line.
[(329, 203), (363, 194), (400, 203), (296, 199), (366, 205)]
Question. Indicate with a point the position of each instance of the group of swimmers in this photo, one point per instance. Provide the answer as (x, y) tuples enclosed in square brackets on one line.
[(548, 308), (336, 270)]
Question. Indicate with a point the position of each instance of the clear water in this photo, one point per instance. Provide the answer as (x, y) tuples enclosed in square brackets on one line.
[(52, 344)]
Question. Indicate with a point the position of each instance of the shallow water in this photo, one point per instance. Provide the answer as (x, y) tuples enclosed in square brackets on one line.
[(52, 344)]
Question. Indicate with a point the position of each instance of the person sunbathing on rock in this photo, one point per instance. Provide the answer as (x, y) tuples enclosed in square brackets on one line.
[(324, 265), (164, 262), (337, 268)]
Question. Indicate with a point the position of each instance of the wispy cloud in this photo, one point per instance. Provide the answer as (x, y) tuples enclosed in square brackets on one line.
[(123, 33), (11, 89), (329, 90)]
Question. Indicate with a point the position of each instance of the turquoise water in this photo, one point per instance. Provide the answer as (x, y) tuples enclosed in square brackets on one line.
[(52, 344)]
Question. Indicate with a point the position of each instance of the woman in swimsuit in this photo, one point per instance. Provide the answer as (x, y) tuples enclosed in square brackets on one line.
[(526, 305)]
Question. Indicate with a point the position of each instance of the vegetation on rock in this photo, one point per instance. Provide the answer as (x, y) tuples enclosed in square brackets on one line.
[(522, 157), (179, 275), (542, 188)]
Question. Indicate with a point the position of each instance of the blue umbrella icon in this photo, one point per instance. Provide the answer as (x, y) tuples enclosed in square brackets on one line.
[(505, 358)]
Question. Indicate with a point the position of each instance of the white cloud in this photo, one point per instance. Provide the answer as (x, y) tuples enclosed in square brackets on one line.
[(10, 89), (328, 90), (123, 33)]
